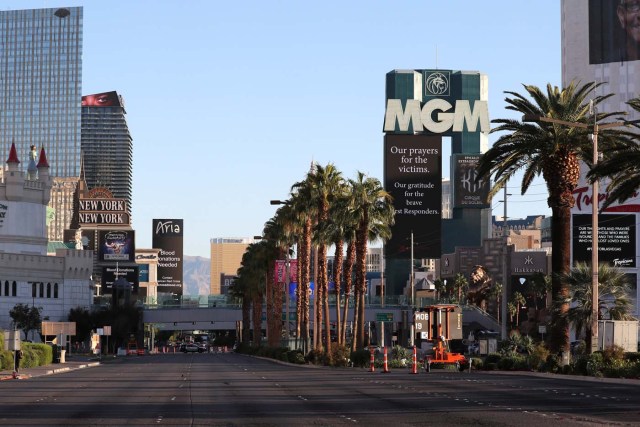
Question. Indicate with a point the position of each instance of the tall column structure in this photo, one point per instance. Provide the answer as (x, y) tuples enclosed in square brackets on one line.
[(40, 92)]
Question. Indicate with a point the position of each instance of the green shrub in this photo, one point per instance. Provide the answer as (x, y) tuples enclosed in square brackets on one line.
[(399, 353), (493, 358), (38, 354), (633, 357), (552, 364), (613, 354), (538, 357), (476, 363), (360, 358), (514, 362), (295, 356), (315, 357), (6, 359), (339, 355)]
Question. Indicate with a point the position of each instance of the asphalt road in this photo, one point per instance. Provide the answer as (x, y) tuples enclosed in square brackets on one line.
[(236, 390)]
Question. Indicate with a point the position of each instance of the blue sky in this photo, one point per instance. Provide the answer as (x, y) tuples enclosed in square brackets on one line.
[(229, 102)]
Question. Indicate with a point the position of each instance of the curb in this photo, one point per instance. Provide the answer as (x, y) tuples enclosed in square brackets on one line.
[(53, 371)]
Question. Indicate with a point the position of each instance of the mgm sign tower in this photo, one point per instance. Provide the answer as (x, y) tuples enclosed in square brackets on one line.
[(422, 107)]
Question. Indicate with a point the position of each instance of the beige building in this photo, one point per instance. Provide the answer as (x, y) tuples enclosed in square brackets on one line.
[(226, 256), (147, 261)]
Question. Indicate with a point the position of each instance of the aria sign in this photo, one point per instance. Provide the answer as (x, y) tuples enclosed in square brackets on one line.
[(445, 119)]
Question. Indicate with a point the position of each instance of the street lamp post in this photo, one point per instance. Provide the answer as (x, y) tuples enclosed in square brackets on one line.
[(503, 302), (594, 209)]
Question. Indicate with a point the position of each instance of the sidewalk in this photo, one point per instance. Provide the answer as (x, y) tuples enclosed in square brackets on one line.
[(76, 361)]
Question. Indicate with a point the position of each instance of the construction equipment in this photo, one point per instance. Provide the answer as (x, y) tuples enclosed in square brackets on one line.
[(444, 322)]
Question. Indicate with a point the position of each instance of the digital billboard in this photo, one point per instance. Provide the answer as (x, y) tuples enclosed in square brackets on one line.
[(111, 274), (167, 236), (467, 193), (103, 99), (412, 169), (616, 239), (614, 33), (116, 245)]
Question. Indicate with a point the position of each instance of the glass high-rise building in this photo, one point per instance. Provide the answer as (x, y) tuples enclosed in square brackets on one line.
[(40, 92), (107, 149)]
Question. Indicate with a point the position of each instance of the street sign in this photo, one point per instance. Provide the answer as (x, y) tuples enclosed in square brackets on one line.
[(12, 340), (384, 317), (421, 321)]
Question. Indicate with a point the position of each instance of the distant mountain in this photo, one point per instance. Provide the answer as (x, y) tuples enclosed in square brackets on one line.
[(196, 275)]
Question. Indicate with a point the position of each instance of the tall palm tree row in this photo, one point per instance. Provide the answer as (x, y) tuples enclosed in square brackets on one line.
[(250, 286), (373, 208), (324, 209), (553, 151)]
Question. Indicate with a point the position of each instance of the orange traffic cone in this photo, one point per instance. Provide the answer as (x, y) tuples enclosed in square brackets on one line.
[(386, 366), (372, 361), (414, 369)]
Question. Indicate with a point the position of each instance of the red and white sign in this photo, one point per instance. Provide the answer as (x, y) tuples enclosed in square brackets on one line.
[(583, 195)]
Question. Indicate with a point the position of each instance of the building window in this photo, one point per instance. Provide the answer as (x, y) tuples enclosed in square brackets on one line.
[(55, 290), (6, 288), (33, 289), (48, 290), (41, 289), (14, 288)]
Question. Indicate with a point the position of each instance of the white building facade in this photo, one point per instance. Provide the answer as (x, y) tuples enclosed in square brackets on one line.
[(29, 276), (595, 48)]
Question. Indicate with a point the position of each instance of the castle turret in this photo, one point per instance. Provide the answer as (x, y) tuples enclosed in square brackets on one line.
[(23, 205), (44, 177), (14, 178)]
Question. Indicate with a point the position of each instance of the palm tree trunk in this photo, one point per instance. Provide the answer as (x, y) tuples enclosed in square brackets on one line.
[(304, 262), (361, 267), (356, 313), (257, 319), (298, 298), (324, 300), (337, 279), (246, 319), (560, 264), (348, 281)]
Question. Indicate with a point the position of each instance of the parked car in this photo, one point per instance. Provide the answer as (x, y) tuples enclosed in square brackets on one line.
[(190, 348)]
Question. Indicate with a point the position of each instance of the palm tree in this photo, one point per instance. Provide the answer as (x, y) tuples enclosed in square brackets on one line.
[(250, 286), (613, 296), (374, 210), (325, 182), (303, 206), (496, 292), (554, 151), (440, 288), (539, 285), (519, 301), (623, 167), (512, 309), (350, 237), (277, 234), (460, 285), (340, 226)]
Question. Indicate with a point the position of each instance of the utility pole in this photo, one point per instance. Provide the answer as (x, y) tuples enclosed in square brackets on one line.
[(413, 332), (503, 302)]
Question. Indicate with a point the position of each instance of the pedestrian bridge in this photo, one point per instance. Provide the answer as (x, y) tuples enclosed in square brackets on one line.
[(206, 313)]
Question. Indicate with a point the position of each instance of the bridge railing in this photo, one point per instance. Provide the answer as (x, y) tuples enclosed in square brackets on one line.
[(223, 301)]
